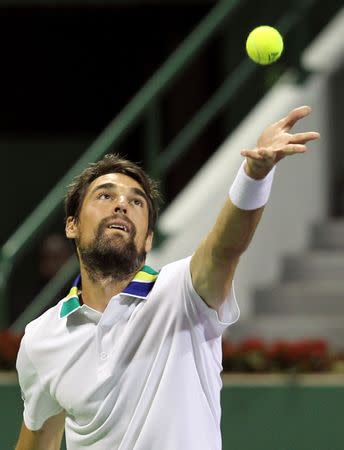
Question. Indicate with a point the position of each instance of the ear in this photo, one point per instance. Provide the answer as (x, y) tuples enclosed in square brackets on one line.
[(72, 229), (149, 242)]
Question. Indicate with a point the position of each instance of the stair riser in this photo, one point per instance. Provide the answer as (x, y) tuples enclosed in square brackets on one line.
[(328, 236), (312, 272), (327, 244), (274, 303)]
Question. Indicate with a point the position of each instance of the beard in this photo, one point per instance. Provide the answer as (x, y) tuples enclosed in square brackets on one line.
[(114, 256)]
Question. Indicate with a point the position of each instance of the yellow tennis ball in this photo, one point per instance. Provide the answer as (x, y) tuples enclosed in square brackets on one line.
[(264, 45)]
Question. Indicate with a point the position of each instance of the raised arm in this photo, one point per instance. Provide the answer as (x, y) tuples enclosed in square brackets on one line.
[(214, 262), (49, 437)]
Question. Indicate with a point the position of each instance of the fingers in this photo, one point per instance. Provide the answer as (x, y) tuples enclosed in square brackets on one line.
[(295, 115), (291, 149), (302, 138), (261, 154)]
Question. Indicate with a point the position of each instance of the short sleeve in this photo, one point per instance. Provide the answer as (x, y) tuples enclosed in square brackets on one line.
[(38, 403), (217, 321)]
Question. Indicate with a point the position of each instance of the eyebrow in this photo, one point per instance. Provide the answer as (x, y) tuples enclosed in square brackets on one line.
[(133, 190)]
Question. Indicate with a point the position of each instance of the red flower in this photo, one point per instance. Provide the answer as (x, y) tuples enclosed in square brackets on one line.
[(252, 345), (278, 349)]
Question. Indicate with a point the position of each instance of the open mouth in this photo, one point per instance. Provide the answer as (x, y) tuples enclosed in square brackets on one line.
[(121, 227)]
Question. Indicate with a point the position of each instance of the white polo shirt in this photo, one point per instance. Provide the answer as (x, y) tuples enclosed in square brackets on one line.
[(142, 375)]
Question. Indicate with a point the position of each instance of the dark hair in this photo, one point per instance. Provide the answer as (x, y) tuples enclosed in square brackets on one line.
[(112, 163)]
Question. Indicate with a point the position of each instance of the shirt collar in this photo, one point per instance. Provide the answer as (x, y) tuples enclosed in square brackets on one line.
[(139, 287)]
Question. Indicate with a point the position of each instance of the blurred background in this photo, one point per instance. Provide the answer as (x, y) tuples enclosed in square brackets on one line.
[(168, 84)]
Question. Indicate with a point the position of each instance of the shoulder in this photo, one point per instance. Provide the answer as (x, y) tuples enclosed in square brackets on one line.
[(37, 335), (43, 326), (173, 284), (174, 274), (175, 268)]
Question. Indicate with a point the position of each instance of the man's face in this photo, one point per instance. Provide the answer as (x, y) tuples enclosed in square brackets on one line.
[(113, 218)]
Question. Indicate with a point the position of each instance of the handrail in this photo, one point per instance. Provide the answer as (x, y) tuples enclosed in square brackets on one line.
[(187, 135), (126, 119), (142, 103), (154, 88)]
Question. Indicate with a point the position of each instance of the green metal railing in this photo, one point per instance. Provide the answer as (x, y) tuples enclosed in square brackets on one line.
[(145, 105)]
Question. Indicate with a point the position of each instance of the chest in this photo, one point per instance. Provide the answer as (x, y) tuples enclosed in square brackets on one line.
[(107, 365)]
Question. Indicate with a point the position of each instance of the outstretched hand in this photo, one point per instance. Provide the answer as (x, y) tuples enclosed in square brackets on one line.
[(275, 143)]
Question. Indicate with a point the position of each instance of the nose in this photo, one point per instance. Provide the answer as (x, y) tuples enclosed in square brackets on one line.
[(121, 205)]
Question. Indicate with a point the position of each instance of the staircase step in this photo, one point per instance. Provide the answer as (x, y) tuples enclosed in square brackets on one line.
[(273, 327), (318, 297), (315, 265), (328, 235)]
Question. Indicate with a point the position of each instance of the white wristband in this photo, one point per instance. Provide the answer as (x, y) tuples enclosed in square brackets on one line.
[(248, 193)]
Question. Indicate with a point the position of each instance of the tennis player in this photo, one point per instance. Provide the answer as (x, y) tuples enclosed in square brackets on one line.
[(131, 358)]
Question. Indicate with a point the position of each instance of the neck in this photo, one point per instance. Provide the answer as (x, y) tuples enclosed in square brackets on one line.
[(97, 291)]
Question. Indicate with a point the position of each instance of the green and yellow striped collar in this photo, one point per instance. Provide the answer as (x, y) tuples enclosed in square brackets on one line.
[(139, 287)]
